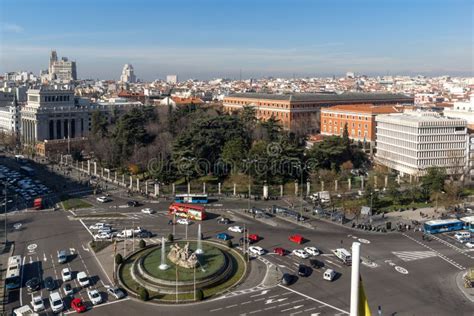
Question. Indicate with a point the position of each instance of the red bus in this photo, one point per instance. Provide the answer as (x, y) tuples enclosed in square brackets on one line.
[(38, 204), (194, 212)]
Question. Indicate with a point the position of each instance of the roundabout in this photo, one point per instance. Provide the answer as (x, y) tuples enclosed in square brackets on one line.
[(179, 272)]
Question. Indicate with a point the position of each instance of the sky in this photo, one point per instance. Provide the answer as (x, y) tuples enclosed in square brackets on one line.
[(206, 39)]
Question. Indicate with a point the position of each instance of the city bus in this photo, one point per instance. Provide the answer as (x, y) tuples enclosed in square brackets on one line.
[(12, 279), (443, 225), (190, 211), (468, 223), (191, 198)]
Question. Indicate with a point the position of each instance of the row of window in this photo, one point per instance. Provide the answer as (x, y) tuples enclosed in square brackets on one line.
[(56, 98), (366, 118), (352, 132), (441, 130), (348, 124)]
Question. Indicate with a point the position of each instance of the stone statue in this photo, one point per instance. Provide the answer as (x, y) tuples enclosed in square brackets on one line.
[(182, 256)]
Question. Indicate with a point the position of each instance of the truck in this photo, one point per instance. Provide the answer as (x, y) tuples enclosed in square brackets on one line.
[(343, 255), (321, 196), (24, 310)]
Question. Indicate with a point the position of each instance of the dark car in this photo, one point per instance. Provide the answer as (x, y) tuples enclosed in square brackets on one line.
[(33, 285), (303, 270), (133, 203), (288, 279), (223, 220), (145, 234), (223, 236), (49, 284), (316, 264)]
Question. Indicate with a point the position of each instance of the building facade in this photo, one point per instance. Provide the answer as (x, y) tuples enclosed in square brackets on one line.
[(360, 120), (10, 118), (411, 142), (172, 79), (463, 110), (128, 74), (300, 112), (63, 69)]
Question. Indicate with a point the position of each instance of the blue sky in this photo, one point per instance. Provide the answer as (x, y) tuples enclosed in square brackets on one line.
[(212, 38)]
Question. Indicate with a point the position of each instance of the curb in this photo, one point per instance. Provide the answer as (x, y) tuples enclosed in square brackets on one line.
[(459, 279)]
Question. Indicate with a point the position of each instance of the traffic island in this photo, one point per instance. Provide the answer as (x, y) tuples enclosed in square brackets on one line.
[(183, 275)]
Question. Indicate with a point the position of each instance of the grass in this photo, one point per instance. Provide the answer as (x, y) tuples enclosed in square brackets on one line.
[(75, 204)]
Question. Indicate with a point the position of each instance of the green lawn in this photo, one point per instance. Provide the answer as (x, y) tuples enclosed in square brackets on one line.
[(75, 204)]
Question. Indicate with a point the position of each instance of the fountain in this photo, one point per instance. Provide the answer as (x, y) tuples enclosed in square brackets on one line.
[(163, 265), (199, 250)]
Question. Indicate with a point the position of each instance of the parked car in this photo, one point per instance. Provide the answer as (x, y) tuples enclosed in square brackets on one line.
[(56, 302), (62, 256), (183, 221), (98, 225), (37, 303), (254, 237), (33, 285), (256, 250), (280, 251), (67, 289), (223, 236), (133, 203), (313, 251), (83, 279), (288, 279), (147, 210), (236, 229), (116, 292), (103, 235), (49, 284), (66, 274), (94, 296), (105, 229), (223, 220), (300, 253), (304, 270), (103, 199), (145, 234), (316, 264), (329, 275), (78, 305), (469, 245)]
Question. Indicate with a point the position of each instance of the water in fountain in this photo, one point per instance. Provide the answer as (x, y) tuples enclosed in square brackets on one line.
[(163, 265), (199, 250)]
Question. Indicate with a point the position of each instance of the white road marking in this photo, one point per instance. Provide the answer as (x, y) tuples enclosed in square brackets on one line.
[(44, 257), (21, 281), (230, 306), (262, 293), (87, 228), (414, 255), (215, 310), (293, 307), (313, 299), (401, 270), (247, 302)]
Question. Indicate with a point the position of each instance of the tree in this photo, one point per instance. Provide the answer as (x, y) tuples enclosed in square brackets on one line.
[(170, 237), (248, 118), (142, 243), (393, 192), (99, 124), (143, 294), (272, 128), (199, 295), (118, 259), (345, 136), (233, 151), (229, 243), (433, 181)]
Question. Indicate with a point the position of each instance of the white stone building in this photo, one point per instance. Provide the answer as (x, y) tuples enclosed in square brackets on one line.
[(128, 74), (411, 142), (63, 69), (10, 116)]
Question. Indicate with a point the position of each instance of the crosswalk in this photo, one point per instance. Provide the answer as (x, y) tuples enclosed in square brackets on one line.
[(414, 255)]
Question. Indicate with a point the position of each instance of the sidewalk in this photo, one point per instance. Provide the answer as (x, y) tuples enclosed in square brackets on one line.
[(468, 292), (5, 253)]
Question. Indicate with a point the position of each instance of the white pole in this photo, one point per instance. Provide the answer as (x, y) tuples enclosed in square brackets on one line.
[(194, 282), (355, 278)]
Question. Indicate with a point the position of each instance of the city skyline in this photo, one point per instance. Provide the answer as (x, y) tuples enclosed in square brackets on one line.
[(211, 39)]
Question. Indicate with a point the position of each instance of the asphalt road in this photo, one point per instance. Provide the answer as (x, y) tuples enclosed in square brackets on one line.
[(407, 276)]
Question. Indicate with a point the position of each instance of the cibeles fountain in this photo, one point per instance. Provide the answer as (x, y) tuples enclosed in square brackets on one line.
[(182, 267)]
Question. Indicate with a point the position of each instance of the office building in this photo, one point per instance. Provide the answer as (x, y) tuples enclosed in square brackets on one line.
[(411, 142), (63, 69), (172, 79), (128, 74)]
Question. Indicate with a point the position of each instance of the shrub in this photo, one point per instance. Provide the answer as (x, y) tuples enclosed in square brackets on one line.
[(199, 295), (170, 238), (143, 293), (229, 243), (141, 243), (118, 259)]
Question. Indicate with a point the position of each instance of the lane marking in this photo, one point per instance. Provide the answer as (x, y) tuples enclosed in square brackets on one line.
[(313, 299), (21, 281)]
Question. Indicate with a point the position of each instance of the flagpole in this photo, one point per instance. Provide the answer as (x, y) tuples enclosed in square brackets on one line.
[(355, 275)]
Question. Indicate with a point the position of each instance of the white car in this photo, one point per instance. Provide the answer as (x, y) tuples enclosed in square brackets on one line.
[(37, 303), (98, 226), (312, 251), (105, 229), (183, 221), (300, 253), (102, 235), (94, 296), (236, 229), (103, 199), (56, 302), (66, 274), (469, 245), (256, 250), (83, 279), (116, 292), (147, 211)]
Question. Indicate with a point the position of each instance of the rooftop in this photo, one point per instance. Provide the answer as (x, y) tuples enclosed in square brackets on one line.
[(364, 108), (349, 96)]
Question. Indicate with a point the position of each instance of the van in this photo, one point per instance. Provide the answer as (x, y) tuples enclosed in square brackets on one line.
[(62, 256), (56, 302), (329, 275), (343, 255), (462, 235)]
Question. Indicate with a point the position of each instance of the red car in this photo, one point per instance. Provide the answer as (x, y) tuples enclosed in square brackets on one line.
[(280, 251), (254, 237), (296, 238), (78, 305)]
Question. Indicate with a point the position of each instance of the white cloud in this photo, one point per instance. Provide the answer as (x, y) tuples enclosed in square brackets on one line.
[(13, 28)]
